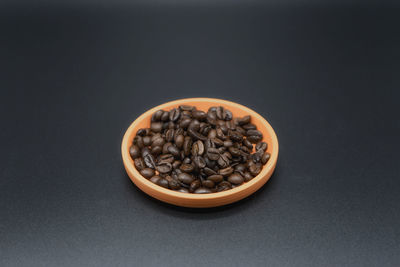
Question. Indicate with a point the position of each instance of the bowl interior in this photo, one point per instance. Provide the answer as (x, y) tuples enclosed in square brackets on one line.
[(202, 104)]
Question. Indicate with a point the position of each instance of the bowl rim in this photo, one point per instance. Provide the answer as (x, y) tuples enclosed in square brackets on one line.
[(129, 166)]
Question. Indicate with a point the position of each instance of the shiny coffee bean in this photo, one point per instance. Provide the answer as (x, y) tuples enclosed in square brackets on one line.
[(194, 185), (179, 140), (155, 179), (157, 115), (182, 190), (247, 176), (164, 167), (198, 148), (157, 142), (186, 107), (213, 153), (139, 164), (226, 171), (248, 144), (216, 178), (176, 164), (186, 167), (185, 178), (163, 183), (174, 151), (147, 173), (156, 127), (208, 183), (202, 190), (142, 132), (156, 150), (134, 151), (265, 158), (138, 140), (261, 145), (199, 162), (249, 126), (174, 114), (244, 120), (254, 136), (235, 178), (255, 169), (199, 115), (169, 135)]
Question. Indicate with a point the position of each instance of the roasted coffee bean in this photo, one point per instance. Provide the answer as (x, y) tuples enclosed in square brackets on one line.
[(165, 116), (165, 148), (216, 178), (164, 167), (138, 140), (199, 115), (240, 168), (155, 179), (219, 112), (179, 140), (139, 164), (199, 162), (194, 125), (247, 176), (186, 167), (223, 161), (249, 126), (156, 127), (174, 151), (163, 183), (182, 190), (187, 145), (224, 185), (174, 114), (157, 142), (227, 115), (147, 173), (166, 158), (149, 161), (194, 185), (143, 132), (208, 171), (211, 118), (157, 115), (244, 120), (265, 158), (176, 164), (173, 184), (208, 183), (220, 134), (186, 108), (222, 149), (261, 145), (212, 153), (202, 190), (256, 157), (217, 141), (212, 134), (185, 122), (236, 136), (205, 129), (234, 151), (187, 160), (146, 140), (198, 148), (169, 135), (248, 144), (196, 135), (235, 178), (228, 143), (134, 151), (255, 169), (254, 136), (156, 150), (226, 171), (185, 178)]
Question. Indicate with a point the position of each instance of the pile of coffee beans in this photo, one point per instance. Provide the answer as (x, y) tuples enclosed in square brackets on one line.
[(192, 151)]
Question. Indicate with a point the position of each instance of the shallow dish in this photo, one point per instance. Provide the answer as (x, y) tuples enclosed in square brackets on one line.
[(201, 200)]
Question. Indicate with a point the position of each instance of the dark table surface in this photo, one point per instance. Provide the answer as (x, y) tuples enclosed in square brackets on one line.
[(72, 79)]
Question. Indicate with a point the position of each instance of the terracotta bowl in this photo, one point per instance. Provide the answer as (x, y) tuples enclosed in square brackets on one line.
[(201, 200)]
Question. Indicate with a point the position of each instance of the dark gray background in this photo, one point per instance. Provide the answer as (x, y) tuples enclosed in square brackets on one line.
[(73, 77)]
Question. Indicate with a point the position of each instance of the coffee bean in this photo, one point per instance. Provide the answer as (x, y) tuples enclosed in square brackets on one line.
[(217, 141), (216, 178), (208, 183), (247, 176), (254, 136), (212, 153), (179, 141), (212, 134), (142, 132), (158, 142), (185, 123), (147, 173), (134, 151), (174, 151), (202, 190), (196, 135), (185, 178), (211, 118), (240, 168), (183, 190), (146, 140), (226, 171), (199, 115), (234, 151), (174, 114), (187, 160), (194, 185), (169, 135), (163, 183), (249, 126), (248, 144), (265, 158), (138, 140), (236, 136), (227, 115), (173, 184), (186, 108), (244, 120), (139, 164), (255, 169), (157, 115), (186, 167), (187, 145), (176, 164), (169, 158), (155, 179), (199, 162), (235, 178), (156, 150), (156, 127), (164, 167), (165, 116), (198, 148), (223, 161), (223, 186), (261, 145), (149, 161)]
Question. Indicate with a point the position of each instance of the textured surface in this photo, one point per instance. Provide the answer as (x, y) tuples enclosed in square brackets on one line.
[(73, 79)]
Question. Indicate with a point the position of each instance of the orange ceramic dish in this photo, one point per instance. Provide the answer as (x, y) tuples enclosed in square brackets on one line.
[(202, 200)]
